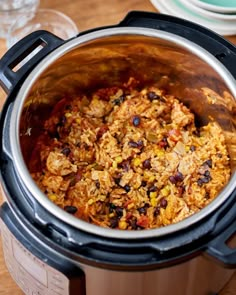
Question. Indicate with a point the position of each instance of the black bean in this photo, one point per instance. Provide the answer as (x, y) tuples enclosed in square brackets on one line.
[(119, 211), (207, 173), (142, 210), (156, 211), (119, 100), (153, 188), (163, 203), (127, 188), (114, 222), (116, 101), (208, 163), (207, 195), (133, 223), (153, 96), (63, 120), (136, 120), (125, 165), (117, 180), (199, 182), (70, 209), (181, 190), (146, 205), (206, 179), (147, 164), (197, 133), (133, 144), (143, 183), (140, 144), (112, 207), (179, 176), (192, 148), (97, 183), (172, 179)]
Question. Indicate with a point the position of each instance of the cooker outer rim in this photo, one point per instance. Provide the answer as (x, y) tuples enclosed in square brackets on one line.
[(104, 232)]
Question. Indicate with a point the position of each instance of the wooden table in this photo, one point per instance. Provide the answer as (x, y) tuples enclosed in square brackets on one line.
[(87, 14)]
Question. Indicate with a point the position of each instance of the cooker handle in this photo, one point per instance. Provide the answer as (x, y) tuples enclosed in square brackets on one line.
[(218, 248), (219, 47), (39, 43)]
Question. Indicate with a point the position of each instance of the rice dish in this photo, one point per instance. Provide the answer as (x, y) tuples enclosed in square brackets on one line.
[(129, 158)]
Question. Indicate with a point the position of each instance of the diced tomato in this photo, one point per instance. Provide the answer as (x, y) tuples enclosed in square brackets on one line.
[(79, 175), (82, 213), (143, 221), (101, 131), (127, 203), (163, 143), (174, 135), (129, 215), (105, 93)]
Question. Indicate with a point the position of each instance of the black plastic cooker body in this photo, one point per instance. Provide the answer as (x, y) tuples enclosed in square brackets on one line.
[(47, 236)]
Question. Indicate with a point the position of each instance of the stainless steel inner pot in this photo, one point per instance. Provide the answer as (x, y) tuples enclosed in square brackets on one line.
[(108, 57)]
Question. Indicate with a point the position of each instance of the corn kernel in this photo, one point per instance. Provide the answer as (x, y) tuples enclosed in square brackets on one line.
[(159, 153), (153, 195), (130, 206), (136, 185), (78, 120), (151, 178), (136, 162), (122, 224), (165, 191), (90, 202), (148, 176), (187, 148), (53, 197), (118, 159), (67, 115), (114, 164), (102, 197), (153, 202)]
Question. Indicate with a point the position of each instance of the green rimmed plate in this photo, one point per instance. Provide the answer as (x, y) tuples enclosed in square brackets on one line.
[(220, 6), (176, 8)]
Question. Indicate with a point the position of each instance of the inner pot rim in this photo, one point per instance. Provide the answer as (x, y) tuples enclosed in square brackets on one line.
[(43, 199)]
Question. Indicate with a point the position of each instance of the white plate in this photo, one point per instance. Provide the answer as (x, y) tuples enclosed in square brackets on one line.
[(207, 13), (175, 8), (212, 7)]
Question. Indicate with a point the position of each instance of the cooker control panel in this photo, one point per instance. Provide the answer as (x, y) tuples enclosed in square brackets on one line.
[(32, 275)]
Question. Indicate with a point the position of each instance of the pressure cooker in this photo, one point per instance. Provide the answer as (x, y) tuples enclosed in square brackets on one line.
[(49, 251)]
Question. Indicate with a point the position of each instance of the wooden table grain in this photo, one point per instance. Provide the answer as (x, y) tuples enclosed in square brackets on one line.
[(87, 14)]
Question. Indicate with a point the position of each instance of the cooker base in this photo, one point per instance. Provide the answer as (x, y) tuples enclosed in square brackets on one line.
[(38, 269)]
